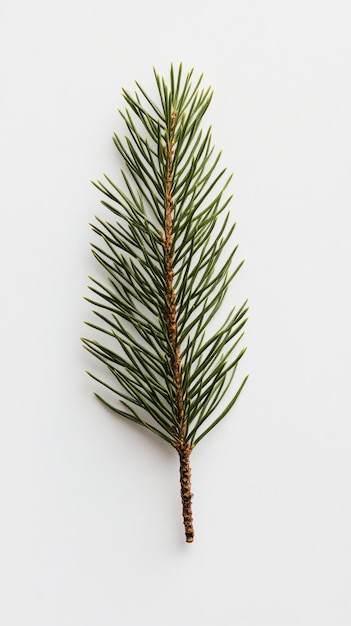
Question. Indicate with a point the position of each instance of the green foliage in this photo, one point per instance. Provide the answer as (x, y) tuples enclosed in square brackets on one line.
[(131, 308)]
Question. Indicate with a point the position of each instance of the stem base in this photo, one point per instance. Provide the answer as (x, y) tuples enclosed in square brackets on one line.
[(184, 452)]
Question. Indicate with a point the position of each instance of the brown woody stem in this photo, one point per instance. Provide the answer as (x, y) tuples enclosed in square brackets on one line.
[(184, 449), (185, 489)]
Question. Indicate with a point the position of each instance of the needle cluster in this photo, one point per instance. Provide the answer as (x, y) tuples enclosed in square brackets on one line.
[(168, 255)]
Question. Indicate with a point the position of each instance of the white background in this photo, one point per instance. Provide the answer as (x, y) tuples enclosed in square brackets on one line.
[(90, 526)]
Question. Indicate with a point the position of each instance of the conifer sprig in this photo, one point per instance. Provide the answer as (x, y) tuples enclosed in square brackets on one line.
[(169, 260)]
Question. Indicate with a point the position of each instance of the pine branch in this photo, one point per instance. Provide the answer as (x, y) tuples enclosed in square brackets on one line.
[(168, 258)]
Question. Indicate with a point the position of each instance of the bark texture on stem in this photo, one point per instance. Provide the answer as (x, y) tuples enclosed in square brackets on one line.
[(185, 489), (184, 449)]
